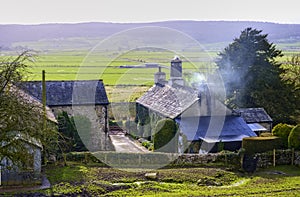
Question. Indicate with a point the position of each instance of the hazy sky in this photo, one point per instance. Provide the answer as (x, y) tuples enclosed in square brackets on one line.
[(75, 11)]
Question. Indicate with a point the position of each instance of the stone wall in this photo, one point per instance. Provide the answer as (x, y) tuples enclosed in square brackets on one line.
[(99, 123), (156, 159), (282, 157), (194, 159)]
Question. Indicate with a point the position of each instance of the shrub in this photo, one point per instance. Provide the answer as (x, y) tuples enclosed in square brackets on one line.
[(71, 133), (254, 145), (283, 131), (294, 138), (266, 134), (164, 136)]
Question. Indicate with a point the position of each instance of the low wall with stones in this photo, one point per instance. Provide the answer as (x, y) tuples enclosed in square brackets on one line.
[(282, 157), (194, 159)]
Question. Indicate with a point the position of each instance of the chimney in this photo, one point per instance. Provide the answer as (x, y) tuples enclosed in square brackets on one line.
[(176, 72), (160, 77)]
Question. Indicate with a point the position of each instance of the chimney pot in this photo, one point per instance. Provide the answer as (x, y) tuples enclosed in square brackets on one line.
[(176, 72)]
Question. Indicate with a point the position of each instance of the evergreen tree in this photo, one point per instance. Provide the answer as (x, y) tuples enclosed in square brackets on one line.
[(252, 75)]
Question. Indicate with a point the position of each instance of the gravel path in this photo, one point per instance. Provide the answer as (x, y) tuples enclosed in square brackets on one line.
[(123, 144)]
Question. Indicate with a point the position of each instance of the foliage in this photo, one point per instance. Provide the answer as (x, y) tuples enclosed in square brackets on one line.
[(291, 71), (142, 115), (71, 140), (254, 145), (164, 136), (20, 114), (83, 157), (265, 134), (283, 131), (220, 146), (294, 138), (82, 134), (252, 76)]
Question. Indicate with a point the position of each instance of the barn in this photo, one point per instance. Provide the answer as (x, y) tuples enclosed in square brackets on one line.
[(83, 97)]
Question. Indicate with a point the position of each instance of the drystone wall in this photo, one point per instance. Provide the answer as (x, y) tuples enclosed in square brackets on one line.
[(282, 157)]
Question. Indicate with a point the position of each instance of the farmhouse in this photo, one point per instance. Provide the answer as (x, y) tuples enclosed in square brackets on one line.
[(202, 118), (86, 98), (30, 172)]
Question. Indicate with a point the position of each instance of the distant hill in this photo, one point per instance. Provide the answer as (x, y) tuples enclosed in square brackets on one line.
[(203, 31)]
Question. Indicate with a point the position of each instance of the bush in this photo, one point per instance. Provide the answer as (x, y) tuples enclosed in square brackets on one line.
[(84, 157), (294, 138), (266, 134), (254, 145), (70, 140), (283, 131), (164, 136)]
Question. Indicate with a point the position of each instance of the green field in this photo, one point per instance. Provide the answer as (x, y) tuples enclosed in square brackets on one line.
[(72, 65), (81, 64), (66, 61)]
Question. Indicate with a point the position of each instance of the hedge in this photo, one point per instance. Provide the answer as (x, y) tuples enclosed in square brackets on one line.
[(254, 145), (283, 131), (294, 138), (164, 136)]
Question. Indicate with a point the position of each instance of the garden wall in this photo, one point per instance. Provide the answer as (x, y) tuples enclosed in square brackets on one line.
[(283, 157)]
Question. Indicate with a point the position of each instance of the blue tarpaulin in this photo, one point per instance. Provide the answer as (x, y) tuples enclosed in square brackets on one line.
[(215, 128)]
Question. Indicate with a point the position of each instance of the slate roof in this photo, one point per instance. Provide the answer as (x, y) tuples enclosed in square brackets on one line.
[(66, 93), (30, 99), (25, 138), (253, 115), (215, 128), (168, 101)]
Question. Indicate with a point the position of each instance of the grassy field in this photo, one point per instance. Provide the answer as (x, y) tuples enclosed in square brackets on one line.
[(73, 64), (79, 180), (67, 64), (80, 65)]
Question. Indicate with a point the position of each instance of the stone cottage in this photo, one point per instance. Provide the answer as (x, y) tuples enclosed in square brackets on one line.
[(202, 118), (11, 174), (85, 98), (30, 172)]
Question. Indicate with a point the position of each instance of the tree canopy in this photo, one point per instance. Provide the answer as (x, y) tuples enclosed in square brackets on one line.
[(252, 75), (19, 114), (291, 71)]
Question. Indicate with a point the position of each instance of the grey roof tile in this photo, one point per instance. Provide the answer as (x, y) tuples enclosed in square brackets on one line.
[(168, 101), (64, 93), (253, 115)]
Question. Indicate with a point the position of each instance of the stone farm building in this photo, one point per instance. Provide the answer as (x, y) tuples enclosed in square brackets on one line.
[(256, 118), (202, 118), (85, 97), (30, 172)]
